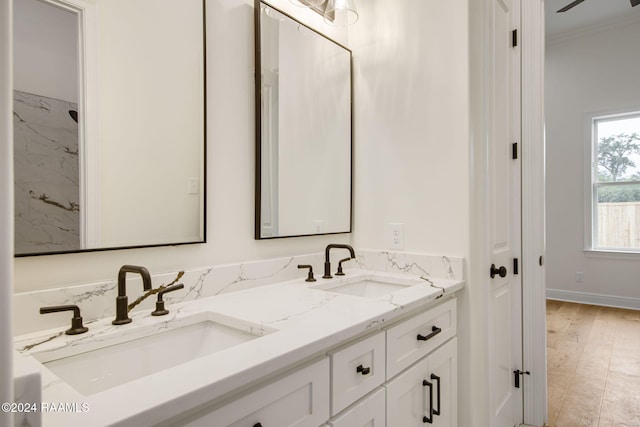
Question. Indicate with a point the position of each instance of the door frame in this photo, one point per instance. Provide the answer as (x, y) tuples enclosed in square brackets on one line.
[(533, 213), (6, 208)]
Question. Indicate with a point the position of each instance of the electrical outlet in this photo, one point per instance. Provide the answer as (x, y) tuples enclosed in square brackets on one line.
[(396, 235), (579, 276)]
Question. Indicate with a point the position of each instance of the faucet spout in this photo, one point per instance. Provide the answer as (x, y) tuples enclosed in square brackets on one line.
[(327, 260), (122, 276), (122, 301)]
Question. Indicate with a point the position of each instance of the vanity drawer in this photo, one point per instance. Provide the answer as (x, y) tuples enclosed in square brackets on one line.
[(412, 339), (300, 399), (356, 370)]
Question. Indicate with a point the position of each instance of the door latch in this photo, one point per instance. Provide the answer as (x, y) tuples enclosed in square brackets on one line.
[(517, 374)]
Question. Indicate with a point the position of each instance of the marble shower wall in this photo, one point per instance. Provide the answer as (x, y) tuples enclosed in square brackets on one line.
[(47, 213), (97, 300)]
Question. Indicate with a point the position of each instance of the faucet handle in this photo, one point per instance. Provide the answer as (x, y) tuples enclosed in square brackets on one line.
[(310, 277), (160, 310), (340, 272), (76, 321)]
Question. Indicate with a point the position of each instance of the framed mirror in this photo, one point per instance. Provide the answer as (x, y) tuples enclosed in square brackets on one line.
[(303, 129), (109, 124)]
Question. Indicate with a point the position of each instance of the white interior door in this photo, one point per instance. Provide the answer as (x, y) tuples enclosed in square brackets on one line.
[(505, 311)]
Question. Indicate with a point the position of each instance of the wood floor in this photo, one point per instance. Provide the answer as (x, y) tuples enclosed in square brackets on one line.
[(593, 365)]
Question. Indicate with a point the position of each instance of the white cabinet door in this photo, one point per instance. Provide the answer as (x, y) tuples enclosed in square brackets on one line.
[(426, 393), (300, 399), (443, 374), (370, 412), (407, 397)]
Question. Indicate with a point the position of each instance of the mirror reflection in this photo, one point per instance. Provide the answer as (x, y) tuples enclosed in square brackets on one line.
[(304, 117), (109, 125)]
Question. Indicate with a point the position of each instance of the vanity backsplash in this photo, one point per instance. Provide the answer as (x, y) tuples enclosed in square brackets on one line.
[(97, 300)]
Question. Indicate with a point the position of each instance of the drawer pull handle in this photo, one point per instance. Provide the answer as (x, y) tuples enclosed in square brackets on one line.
[(434, 331), (362, 370), (437, 378), (429, 419), (257, 425)]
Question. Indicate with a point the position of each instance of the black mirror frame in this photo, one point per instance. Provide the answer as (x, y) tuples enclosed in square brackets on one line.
[(204, 165), (258, 127)]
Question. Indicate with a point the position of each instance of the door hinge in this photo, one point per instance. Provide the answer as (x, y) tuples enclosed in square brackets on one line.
[(515, 266), (514, 150), (517, 374), (514, 38)]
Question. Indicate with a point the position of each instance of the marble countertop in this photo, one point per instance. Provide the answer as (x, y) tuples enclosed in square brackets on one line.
[(296, 322)]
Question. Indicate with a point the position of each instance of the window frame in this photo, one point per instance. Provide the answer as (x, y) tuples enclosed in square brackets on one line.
[(591, 183)]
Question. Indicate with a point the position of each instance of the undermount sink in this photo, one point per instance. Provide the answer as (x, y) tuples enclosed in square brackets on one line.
[(367, 287), (143, 352)]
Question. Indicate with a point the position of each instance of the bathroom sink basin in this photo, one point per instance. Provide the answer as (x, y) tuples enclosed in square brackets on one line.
[(369, 287), (144, 352)]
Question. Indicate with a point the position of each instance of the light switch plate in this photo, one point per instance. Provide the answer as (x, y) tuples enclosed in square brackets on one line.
[(193, 186)]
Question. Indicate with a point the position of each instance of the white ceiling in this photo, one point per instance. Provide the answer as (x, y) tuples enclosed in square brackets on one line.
[(586, 14)]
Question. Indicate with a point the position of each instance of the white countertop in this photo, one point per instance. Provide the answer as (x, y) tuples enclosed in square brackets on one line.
[(306, 321)]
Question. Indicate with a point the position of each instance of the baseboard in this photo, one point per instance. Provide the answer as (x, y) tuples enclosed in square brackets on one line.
[(595, 299)]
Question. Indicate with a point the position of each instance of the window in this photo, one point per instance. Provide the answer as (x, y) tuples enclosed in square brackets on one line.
[(615, 182)]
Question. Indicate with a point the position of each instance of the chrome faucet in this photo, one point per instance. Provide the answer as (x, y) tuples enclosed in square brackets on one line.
[(327, 261), (122, 301)]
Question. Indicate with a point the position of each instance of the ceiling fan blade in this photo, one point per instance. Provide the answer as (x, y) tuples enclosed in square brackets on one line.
[(634, 3), (574, 4)]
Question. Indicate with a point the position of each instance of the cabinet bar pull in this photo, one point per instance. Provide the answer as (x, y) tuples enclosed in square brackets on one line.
[(437, 378), (361, 370), (434, 331), (429, 419)]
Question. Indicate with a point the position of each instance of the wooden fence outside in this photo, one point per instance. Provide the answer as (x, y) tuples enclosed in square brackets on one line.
[(619, 225)]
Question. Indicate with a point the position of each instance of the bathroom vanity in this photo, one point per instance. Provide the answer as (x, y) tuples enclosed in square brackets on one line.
[(363, 382), (370, 345)]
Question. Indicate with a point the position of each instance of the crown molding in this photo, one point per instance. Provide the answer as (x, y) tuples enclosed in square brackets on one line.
[(586, 30)]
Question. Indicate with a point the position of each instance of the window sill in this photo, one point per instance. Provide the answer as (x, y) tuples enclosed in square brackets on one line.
[(612, 253)]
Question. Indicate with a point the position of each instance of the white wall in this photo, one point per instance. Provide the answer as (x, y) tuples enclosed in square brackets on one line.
[(230, 169), (596, 72), (411, 124), (412, 151), (6, 211), (46, 40)]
